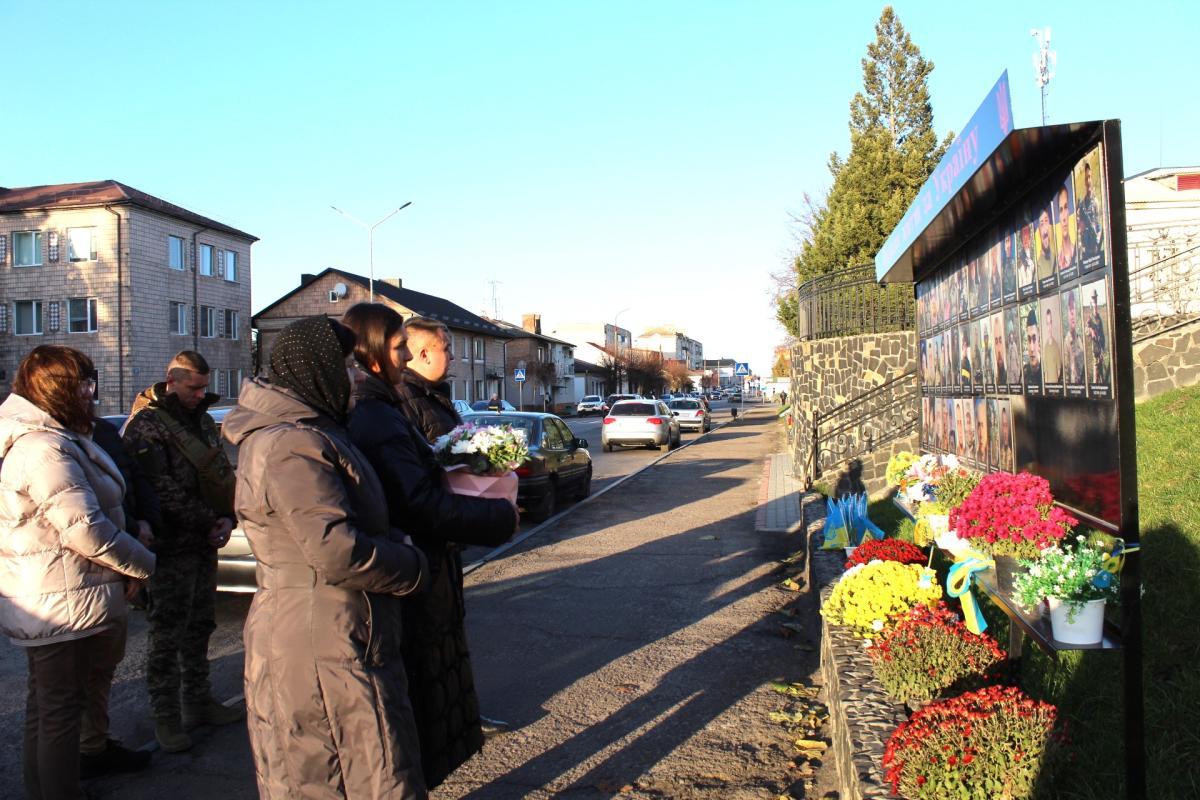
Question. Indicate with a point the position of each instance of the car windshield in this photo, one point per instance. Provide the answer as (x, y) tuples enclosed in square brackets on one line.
[(591, 398), (685, 404), (520, 423), (632, 410)]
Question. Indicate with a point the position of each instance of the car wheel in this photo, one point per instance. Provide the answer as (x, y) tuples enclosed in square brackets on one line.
[(585, 486), (608, 447), (545, 507)]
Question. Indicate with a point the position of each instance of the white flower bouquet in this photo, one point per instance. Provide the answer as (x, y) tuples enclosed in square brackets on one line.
[(480, 459)]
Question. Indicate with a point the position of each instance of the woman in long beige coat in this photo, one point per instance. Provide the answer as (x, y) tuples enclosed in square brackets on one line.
[(326, 694)]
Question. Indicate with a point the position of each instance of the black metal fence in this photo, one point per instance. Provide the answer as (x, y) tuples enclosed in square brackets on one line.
[(864, 423), (1165, 294), (850, 302)]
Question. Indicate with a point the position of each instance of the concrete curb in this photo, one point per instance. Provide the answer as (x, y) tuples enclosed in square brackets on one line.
[(509, 545)]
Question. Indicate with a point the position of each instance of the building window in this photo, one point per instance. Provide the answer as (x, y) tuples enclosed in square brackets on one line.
[(81, 244), (27, 249), (206, 259), (81, 315), (178, 320), (28, 318), (231, 266), (477, 352), (542, 355), (208, 322), (479, 391), (174, 252), (231, 324), (233, 380)]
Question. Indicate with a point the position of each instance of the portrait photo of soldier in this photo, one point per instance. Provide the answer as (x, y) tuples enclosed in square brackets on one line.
[(1033, 349), (975, 285), (1051, 346), (1046, 248), (1064, 223), (983, 447), (1097, 338), (993, 416), (985, 353), (999, 352), (1074, 358), (1089, 219), (1026, 261), (976, 357), (953, 424), (966, 367), (1008, 265), (994, 272), (966, 425), (1014, 349), (1005, 461)]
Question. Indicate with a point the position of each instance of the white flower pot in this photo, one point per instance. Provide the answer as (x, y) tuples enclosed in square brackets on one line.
[(1088, 627)]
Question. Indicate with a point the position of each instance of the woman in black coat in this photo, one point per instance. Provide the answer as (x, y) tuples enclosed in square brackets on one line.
[(441, 685)]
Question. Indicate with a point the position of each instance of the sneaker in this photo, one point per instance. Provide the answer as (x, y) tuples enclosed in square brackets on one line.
[(170, 735), (211, 712), (114, 758), (492, 727)]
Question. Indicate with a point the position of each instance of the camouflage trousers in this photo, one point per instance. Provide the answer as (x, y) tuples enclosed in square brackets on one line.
[(182, 618)]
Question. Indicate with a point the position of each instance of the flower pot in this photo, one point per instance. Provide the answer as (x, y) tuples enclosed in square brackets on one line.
[(1088, 627), (1006, 569)]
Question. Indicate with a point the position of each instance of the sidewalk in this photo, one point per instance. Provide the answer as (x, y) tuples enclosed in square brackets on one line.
[(631, 644)]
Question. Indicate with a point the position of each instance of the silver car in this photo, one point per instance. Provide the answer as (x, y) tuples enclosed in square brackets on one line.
[(639, 423), (692, 414)]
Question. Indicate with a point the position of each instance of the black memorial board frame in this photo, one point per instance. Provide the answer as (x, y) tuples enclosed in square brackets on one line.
[(1046, 208)]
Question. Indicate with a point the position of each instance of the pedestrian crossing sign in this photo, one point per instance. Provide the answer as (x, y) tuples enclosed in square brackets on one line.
[(741, 369), (519, 375)]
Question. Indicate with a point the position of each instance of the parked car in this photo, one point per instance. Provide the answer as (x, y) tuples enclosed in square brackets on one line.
[(462, 407), (692, 414), (639, 423), (482, 405), (612, 399), (559, 466), (591, 404)]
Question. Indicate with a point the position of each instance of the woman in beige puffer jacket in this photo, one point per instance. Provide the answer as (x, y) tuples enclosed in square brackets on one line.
[(64, 556)]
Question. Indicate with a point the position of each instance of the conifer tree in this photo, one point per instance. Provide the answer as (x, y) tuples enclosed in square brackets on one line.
[(893, 150)]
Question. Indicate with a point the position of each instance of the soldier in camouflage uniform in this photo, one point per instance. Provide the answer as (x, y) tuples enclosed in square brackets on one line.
[(175, 442)]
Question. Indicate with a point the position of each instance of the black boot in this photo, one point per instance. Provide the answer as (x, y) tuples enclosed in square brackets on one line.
[(114, 758)]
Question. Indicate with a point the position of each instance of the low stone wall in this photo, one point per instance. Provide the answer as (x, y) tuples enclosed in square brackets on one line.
[(861, 714), (1168, 361), (827, 373)]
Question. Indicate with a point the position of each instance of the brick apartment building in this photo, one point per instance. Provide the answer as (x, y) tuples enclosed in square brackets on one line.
[(477, 371), (549, 365), (125, 277)]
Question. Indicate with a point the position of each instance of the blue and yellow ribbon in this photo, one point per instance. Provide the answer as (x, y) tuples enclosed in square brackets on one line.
[(959, 582)]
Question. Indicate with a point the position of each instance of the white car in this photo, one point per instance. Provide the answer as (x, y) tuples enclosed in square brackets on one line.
[(640, 423), (591, 404)]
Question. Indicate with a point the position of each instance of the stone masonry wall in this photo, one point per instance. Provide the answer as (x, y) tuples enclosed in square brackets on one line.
[(827, 373), (1168, 361)]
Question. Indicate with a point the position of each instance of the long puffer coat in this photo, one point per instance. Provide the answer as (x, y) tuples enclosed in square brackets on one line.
[(326, 694), (441, 685), (63, 550)]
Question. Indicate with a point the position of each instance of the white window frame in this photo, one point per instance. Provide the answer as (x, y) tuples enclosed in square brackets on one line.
[(37, 248), (206, 260), (171, 251), (478, 350), (91, 244), (38, 310), (208, 322), (177, 322), (231, 324), (233, 382), (231, 266), (90, 318)]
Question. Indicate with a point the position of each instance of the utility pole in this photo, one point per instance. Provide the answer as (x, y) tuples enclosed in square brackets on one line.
[(1044, 62), (495, 304)]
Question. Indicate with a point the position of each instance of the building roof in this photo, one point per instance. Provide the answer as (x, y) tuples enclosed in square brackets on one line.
[(517, 332), (426, 305), (102, 193), (587, 367)]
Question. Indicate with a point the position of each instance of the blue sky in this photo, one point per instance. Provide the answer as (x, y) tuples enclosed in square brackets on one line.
[(590, 157)]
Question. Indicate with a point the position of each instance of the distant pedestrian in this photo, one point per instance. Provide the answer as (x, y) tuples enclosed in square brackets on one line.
[(783, 398), (325, 685), (441, 685), (494, 403), (66, 567), (174, 440)]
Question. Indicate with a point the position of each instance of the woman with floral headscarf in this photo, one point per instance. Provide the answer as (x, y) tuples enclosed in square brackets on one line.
[(326, 694)]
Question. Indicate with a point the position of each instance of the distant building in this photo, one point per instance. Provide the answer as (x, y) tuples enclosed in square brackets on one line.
[(595, 342), (477, 371), (589, 379), (125, 277), (549, 365), (723, 368), (1162, 218), (673, 345)]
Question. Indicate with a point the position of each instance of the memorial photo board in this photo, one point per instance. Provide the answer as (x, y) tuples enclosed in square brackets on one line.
[(1016, 332)]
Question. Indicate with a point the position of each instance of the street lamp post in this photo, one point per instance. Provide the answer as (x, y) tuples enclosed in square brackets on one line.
[(371, 238), (617, 342)]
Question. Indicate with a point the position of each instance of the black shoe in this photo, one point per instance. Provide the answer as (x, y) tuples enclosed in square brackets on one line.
[(491, 727), (114, 758)]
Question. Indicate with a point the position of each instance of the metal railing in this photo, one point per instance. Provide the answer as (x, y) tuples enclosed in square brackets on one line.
[(1165, 294), (850, 302), (879, 415)]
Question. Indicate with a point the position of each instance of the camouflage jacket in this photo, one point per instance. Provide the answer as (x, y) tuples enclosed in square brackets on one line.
[(186, 517)]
